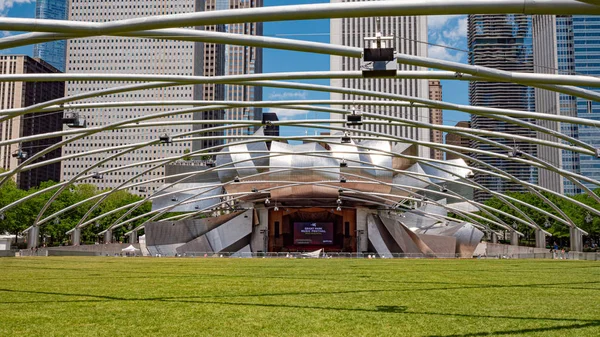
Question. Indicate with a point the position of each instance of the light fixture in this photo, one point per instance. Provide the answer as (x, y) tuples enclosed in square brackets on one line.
[(342, 179), (339, 208), (339, 201), (343, 163), (276, 208), (74, 120), (254, 189), (470, 175), (354, 118), (174, 199), (515, 153), (267, 201), (236, 179), (443, 188), (345, 138), (20, 154), (165, 139)]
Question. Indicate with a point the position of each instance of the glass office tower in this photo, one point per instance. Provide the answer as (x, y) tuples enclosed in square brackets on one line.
[(586, 61), (502, 42), (52, 52)]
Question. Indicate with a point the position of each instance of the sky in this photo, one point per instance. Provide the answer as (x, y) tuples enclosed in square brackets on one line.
[(446, 35)]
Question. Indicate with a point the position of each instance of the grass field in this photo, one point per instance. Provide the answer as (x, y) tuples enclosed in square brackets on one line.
[(282, 297)]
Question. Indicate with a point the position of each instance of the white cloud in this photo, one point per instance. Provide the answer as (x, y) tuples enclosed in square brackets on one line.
[(439, 52), (457, 32), (6, 5), (439, 21), (448, 31), (288, 95), (285, 114)]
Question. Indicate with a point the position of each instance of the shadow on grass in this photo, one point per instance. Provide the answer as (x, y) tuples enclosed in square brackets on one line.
[(448, 286), (524, 331), (391, 309)]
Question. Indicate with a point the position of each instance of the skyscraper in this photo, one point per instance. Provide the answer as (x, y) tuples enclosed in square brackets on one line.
[(410, 37), (52, 52), (575, 52), (436, 117), (234, 60), (503, 42), (22, 94), (108, 54)]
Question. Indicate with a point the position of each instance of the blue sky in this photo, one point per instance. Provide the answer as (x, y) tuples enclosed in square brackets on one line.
[(444, 31)]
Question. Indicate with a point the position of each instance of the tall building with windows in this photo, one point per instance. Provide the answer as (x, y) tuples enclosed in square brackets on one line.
[(16, 95), (584, 32), (52, 52), (458, 140), (410, 37), (436, 117), (575, 52), (503, 42), (109, 54)]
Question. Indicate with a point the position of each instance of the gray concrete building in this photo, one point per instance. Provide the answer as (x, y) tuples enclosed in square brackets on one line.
[(108, 54), (410, 37)]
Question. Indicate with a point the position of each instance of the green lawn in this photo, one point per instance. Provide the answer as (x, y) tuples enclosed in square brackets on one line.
[(105, 296)]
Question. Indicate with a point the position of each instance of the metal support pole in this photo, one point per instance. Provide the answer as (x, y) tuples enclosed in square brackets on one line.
[(108, 236), (514, 238), (494, 237), (576, 239), (76, 236), (33, 236), (540, 239), (133, 237)]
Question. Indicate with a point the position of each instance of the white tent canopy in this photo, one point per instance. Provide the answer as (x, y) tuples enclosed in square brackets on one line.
[(130, 249)]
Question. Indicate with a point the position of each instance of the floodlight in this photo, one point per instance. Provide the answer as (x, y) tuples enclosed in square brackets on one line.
[(165, 139), (515, 153), (20, 154), (343, 163), (342, 179), (354, 119), (346, 138)]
